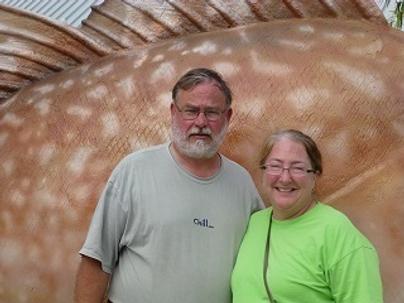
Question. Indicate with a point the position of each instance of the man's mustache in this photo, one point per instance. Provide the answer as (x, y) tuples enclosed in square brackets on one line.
[(200, 131)]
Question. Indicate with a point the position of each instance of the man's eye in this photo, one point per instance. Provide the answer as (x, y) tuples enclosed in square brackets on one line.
[(298, 169), (274, 166), (191, 111)]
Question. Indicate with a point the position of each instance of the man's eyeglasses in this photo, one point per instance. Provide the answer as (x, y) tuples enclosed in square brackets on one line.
[(191, 113), (277, 170)]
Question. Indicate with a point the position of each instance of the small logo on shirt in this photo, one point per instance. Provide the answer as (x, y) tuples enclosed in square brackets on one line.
[(203, 223)]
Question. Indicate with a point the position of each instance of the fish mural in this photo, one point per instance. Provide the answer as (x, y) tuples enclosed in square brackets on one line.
[(337, 78)]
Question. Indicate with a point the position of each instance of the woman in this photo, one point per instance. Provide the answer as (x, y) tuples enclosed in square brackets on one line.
[(301, 250)]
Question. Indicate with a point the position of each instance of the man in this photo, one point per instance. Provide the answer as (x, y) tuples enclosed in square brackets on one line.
[(170, 221)]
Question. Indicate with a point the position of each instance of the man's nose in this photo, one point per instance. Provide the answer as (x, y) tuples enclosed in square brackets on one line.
[(201, 120)]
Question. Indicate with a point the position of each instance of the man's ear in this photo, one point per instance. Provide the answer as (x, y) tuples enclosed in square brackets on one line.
[(229, 113)]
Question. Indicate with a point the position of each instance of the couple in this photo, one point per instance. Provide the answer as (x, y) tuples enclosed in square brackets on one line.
[(171, 219)]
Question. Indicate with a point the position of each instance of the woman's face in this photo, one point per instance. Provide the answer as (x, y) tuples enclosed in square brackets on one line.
[(287, 184)]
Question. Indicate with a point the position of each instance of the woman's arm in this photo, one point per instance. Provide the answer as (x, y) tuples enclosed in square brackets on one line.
[(356, 277)]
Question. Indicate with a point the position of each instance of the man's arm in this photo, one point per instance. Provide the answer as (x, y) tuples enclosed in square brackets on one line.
[(91, 282)]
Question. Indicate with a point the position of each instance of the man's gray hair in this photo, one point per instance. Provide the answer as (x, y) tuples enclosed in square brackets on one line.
[(201, 75)]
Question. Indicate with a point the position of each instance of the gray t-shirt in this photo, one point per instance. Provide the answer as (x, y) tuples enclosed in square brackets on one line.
[(168, 236)]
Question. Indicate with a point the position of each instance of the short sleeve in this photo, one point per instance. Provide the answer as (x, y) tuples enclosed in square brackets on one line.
[(356, 277), (105, 234)]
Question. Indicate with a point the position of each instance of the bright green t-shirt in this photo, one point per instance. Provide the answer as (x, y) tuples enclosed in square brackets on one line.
[(318, 257)]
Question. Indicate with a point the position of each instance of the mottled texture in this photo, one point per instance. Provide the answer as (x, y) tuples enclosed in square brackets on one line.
[(33, 47), (339, 81)]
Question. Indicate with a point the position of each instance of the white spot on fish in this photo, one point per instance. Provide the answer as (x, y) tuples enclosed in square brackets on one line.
[(372, 48), (254, 108), (306, 28), (30, 101), (137, 143), (298, 45), (398, 125), (140, 57), (383, 60), (268, 67), (227, 69), (365, 81), (164, 99), (42, 107), (76, 163), (84, 68), (44, 197), (333, 36), (25, 183), (43, 89), (3, 138), (11, 119), (336, 146), (158, 58), (243, 36), (227, 51), (127, 86), (80, 111), (8, 167), (12, 250), (81, 193), (88, 81), (102, 71), (111, 125), (72, 215), (164, 71), (99, 92), (17, 198), (359, 35), (305, 97), (53, 222), (185, 52), (67, 84), (46, 153), (70, 135), (177, 46), (206, 48)]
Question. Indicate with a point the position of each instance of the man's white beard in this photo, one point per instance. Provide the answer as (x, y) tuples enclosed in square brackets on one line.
[(198, 149)]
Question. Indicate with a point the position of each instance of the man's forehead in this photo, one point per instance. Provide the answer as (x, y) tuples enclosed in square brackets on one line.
[(210, 88), (208, 83)]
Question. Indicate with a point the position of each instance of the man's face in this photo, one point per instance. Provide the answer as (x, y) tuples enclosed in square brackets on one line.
[(200, 137)]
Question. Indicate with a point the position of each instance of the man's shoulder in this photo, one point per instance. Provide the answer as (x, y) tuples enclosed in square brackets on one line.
[(236, 173), (233, 165), (142, 157), (146, 153)]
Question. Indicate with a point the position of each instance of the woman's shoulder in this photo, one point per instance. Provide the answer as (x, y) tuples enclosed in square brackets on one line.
[(339, 225), (332, 215)]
